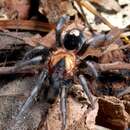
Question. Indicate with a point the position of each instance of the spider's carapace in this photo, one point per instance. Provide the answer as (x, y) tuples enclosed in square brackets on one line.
[(68, 56)]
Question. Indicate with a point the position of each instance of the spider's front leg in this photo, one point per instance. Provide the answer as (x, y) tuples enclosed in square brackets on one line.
[(38, 50), (33, 57)]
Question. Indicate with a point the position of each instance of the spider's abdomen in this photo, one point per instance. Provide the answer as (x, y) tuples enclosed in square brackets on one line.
[(73, 39)]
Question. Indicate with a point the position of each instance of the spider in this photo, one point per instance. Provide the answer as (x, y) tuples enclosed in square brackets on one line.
[(60, 67)]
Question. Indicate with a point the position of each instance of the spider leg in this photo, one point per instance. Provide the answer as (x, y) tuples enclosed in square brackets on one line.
[(56, 79), (84, 85), (33, 57), (33, 94), (22, 64), (38, 50), (59, 86), (63, 106), (37, 55), (92, 68), (96, 40), (123, 92), (59, 26)]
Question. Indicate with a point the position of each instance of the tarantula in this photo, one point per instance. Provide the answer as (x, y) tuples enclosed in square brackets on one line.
[(60, 67)]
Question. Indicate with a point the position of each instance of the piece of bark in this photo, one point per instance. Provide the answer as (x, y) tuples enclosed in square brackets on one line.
[(127, 108), (78, 116), (112, 5), (113, 66), (31, 25), (112, 56), (112, 113), (53, 10), (16, 8), (49, 40)]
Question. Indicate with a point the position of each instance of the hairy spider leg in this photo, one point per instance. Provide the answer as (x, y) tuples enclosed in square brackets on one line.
[(99, 39), (59, 85), (59, 26), (84, 85), (63, 107), (44, 53), (33, 57), (56, 79), (34, 93), (96, 40), (90, 64), (22, 64), (63, 101), (38, 50), (123, 92)]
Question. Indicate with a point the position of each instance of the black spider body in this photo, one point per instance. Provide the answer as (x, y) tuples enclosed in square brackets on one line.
[(61, 67), (74, 39)]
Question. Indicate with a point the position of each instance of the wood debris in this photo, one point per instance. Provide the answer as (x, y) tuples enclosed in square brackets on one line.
[(104, 60)]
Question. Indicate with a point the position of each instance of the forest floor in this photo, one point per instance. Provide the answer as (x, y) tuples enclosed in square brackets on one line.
[(104, 62)]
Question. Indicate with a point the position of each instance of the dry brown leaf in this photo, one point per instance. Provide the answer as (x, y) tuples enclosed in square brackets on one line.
[(53, 10), (107, 4), (12, 8)]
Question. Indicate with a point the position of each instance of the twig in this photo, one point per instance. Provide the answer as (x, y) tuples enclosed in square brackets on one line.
[(11, 35), (89, 7), (26, 70), (26, 25), (9, 70), (113, 66), (85, 19), (114, 49), (98, 52)]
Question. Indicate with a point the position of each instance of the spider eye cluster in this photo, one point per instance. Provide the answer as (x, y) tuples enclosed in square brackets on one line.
[(73, 39)]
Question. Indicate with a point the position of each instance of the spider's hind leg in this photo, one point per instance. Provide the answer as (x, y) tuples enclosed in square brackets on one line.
[(59, 85), (63, 102), (85, 87), (93, 69)]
